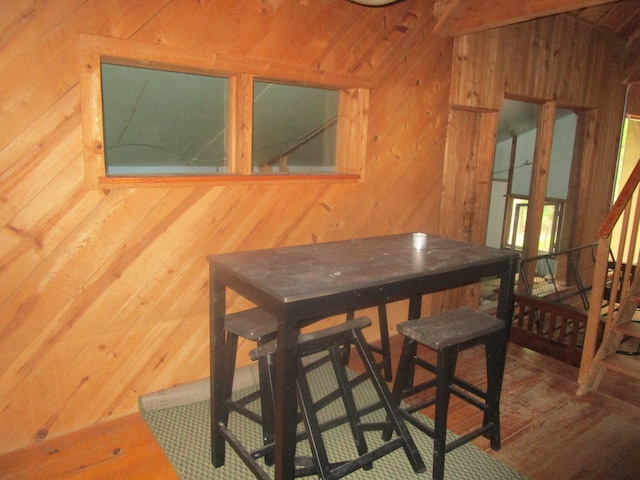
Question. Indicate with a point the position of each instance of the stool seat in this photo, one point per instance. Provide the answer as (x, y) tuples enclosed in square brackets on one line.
[(450, 328), (252, 324), (447, 334), (257, 324)]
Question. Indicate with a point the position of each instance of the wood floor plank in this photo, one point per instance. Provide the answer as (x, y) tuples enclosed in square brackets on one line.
[(122, 448), (593, 437)]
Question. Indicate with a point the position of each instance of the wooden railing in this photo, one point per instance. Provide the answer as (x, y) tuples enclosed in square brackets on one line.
[(551, 328), (625, 214)]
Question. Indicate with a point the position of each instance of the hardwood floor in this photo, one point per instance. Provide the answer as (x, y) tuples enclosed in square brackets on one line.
[(547, 431)]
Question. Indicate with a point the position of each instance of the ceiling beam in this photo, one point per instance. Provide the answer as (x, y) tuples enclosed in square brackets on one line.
[(460, 17)]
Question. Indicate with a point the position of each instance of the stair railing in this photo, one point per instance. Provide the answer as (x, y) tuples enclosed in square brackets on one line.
[(612, 282)]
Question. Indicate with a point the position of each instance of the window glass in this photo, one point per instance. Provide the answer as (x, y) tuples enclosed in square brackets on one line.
[(160, 122), (551, 220), (294, 128)]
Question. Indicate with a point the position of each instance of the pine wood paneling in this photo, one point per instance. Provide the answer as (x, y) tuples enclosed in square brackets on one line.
[(104, 293), (552, 59)]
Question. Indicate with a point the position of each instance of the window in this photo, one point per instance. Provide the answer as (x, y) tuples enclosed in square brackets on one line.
[(294, 128), (163, 122), (159, 115), (552, 216)]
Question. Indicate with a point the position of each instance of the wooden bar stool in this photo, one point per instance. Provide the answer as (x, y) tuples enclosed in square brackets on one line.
[(259, 326), (447, 334), (332, 339)]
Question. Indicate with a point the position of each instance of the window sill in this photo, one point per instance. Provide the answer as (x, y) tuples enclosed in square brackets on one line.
[(227, 179)]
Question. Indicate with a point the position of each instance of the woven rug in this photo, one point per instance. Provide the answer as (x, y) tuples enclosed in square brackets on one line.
[(184, 435)]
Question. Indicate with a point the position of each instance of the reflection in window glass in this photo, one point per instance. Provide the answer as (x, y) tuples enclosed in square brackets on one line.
[(294, 128), (163, 123)]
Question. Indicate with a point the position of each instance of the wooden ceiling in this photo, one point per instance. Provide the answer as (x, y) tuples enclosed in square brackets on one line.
[(620, 18)]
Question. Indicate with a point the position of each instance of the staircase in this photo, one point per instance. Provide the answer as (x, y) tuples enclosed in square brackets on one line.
[(614, 285)]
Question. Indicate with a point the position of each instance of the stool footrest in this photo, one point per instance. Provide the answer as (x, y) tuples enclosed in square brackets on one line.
[(468, 437), (428, 430), (247, 457), (374, 426), (244, 411), (480, 404), (366, 458)]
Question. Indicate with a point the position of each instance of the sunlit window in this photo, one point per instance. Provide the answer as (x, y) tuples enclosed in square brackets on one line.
[(549, 232)]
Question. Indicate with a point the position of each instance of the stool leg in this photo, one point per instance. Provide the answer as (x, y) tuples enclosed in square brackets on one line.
[(314, 433), (404, 376), (346, 349), (384, 342), (349, 402), (265, 374), (415, 308), (230, 361), (495, 356), (445, 372), (391, 407), (385, 347)]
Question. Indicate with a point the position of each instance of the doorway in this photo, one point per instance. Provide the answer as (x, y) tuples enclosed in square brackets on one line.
[(531, 194)]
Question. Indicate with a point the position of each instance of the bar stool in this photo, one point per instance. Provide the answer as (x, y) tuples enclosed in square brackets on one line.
[(259, 326), (447, 334), (332, 339)]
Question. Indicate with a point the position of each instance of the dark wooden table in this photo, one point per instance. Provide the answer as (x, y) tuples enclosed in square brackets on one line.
[(319, 280)]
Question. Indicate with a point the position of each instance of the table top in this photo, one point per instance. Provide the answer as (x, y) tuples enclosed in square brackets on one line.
[(299, 273)]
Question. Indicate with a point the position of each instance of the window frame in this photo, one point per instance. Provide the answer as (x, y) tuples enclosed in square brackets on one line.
[(515, 205), (353, 105)]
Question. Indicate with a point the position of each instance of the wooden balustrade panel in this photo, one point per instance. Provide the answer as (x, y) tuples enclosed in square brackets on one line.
[(548, 327)]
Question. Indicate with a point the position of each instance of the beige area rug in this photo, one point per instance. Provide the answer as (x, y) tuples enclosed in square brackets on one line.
[(183, 432)]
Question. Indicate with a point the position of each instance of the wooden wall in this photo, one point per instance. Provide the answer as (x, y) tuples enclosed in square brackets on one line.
[(103, 294), (553, 59), (633, 100)]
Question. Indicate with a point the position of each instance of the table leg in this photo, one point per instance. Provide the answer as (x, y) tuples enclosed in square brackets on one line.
[(285, 397), (505, 296), (415, 311), (415, 307), (217, 355)]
